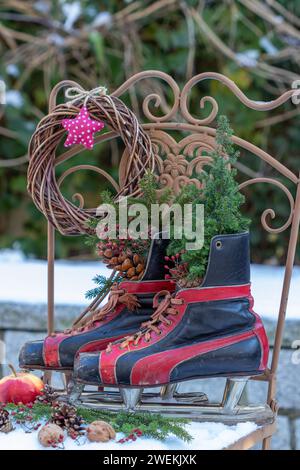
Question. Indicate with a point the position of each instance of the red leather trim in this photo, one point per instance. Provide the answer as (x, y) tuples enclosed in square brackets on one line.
[(264, 343), (214, 293), (147, 287), (51, 348), (97, 345), (261, 336), (52, 343), (107, 361), (107, 364), (158, 369)]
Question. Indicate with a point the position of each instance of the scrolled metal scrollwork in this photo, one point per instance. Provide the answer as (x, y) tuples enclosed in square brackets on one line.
[(177, 163), (153, 98), (256, 105), (78, 196), (270, 212)]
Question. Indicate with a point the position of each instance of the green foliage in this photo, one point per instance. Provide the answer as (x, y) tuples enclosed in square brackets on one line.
[(38, 412), (151, 424), (149, 187), (221, 198), (103, 285)]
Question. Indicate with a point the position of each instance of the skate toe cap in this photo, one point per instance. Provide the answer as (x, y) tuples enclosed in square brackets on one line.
[(86, 368), (31, 354)]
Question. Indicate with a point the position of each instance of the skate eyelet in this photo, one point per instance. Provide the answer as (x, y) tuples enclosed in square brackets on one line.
[(219, 244)]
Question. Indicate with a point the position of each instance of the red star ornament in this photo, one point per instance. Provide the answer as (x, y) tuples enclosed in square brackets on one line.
[(81, 129)]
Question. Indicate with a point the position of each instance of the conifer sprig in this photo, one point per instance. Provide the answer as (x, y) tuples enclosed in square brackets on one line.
[(221, 198)]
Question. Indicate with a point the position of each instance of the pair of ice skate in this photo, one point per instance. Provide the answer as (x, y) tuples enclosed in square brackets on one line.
[(152, 334)]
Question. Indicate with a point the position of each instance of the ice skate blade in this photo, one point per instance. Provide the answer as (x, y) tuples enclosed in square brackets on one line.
[(108, 397), (259, 414)]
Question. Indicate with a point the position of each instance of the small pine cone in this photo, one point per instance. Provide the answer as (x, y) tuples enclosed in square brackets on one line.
[(5, 423), (6, 428), (121, 257), (130, 272), (108, 253), (140, 267), (66, 417), (48, 396), (136, 259), (113, 261), (127, 264)]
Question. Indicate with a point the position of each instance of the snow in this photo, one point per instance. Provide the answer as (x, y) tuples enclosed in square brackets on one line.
[(206, 436), (56, 39), (14, 98), (248, 58), (42, 6), (25, 281), (268, 46), (72, 12), (102, 19), (13, 70)]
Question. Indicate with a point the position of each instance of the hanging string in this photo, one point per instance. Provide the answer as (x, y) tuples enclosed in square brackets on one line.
[(74, 94)]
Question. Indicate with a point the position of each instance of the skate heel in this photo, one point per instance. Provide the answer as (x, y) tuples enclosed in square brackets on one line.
[(232, 393), (74, 390), (131, 397)]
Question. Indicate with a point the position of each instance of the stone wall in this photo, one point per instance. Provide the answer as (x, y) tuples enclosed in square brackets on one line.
[(22, 322)]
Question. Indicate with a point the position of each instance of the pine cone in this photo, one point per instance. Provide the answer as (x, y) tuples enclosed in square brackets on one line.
[(48, 396), (129, 265), (5, 423), (66, 417)]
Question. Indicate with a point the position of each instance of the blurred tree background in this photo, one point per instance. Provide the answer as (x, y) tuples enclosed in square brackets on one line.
[(254, 42)]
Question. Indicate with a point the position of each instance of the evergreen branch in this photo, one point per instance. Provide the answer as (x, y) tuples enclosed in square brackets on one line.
[(151, 424), (103, 285)]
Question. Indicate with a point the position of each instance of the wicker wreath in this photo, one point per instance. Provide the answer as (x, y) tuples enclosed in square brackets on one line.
[(65, 216)]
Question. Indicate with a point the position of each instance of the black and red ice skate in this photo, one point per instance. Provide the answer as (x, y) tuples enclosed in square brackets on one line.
[(129, 304), (210, 331)]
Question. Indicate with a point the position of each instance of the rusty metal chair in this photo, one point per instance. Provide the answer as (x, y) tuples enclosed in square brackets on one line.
[(185, 158)]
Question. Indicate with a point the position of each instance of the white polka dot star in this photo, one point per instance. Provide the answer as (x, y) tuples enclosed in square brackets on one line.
[(81, 129)]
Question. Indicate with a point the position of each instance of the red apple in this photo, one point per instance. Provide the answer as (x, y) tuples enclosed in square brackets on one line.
[(20, 387)]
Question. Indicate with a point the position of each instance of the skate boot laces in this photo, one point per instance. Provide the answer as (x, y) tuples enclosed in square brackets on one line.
[(165, 308), (116, 296)]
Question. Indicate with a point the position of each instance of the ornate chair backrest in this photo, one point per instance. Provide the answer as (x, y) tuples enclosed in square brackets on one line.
[(178, 161)]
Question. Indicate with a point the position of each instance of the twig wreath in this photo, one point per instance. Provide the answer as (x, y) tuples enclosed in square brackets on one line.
[(84, 114)]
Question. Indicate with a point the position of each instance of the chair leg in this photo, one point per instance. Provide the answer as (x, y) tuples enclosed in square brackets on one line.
[(266, 444), (47, 376)]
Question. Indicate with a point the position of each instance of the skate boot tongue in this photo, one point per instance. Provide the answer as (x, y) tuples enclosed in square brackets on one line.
[(164, 309), (116, 296)]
